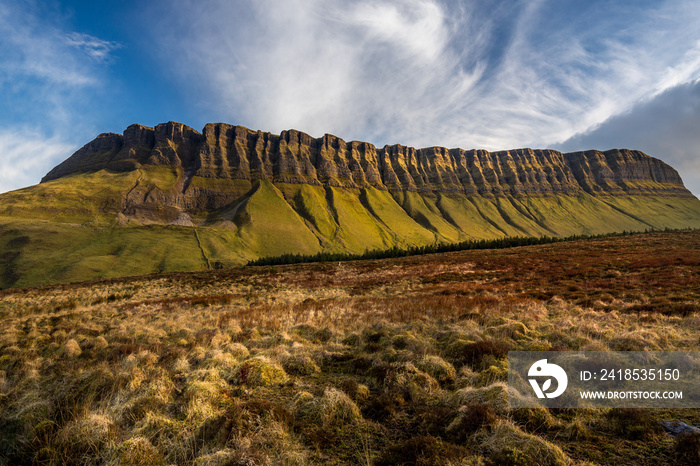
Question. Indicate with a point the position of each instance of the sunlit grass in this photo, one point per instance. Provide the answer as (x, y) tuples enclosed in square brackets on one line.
[(376, 362)]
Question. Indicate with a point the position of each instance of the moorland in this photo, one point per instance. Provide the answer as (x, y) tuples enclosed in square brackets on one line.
[(392, 361)]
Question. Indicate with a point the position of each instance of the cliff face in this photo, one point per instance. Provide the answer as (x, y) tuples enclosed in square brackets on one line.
[(224, 151)]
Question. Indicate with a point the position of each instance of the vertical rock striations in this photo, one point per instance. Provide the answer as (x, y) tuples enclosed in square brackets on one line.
[(224, 151)]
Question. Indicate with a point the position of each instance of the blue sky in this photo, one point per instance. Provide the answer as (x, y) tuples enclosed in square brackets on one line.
[(560, 74)]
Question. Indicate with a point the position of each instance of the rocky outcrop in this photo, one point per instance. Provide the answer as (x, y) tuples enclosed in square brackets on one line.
[(233, 152), (616, 171)]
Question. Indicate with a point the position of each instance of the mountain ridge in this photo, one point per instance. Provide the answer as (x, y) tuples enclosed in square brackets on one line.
[(169, 198), (235, 152)]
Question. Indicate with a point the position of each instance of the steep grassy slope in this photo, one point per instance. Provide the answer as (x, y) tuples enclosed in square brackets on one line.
[(46, 252), (73, 229), (266, 223)]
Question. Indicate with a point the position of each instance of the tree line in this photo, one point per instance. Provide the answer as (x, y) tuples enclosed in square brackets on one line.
[(395, 251)]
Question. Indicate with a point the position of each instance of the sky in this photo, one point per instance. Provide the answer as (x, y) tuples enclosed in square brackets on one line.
[(560, 74)]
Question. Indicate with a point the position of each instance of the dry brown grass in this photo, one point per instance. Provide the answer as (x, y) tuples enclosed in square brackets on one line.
[(373, 362)]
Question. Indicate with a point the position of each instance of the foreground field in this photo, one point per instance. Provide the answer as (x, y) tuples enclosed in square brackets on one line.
[(400, 361)]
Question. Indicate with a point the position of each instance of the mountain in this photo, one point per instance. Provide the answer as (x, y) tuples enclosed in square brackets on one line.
[(171, 198)]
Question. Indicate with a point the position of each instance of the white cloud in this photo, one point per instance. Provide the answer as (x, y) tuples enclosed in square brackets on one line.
[(47, 74), (97, 49), (357, 69), (426, 72), (665, 127), (565, 75), (45, 68), (35, 49), (25, 156), (415, 29)]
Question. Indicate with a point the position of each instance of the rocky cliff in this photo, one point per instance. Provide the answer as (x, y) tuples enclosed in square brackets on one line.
[(233, 152)]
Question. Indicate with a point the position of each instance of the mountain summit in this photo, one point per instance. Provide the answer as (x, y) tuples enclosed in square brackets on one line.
[(224, 151), (172, 198)]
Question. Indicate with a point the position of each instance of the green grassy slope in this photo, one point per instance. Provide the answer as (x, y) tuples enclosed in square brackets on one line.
[(269, 226), (73, 199), (40, 252), (310, 203), (424, 211), (404, 230), (73, 229)]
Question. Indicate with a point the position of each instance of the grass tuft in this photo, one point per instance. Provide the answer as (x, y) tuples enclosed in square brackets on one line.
[(260, 371), (72, 349), (511, 446), (332, 409)]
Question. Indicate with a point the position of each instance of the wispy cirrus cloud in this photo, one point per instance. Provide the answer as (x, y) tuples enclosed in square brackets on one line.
[(665, 126), (424, 72), (97, 49), (358, 69), (25, 153), (33, 49), (47, 76), (602, 63)]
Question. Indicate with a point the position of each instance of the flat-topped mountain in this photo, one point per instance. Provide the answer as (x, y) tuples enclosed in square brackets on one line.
[(233, 152), (172, 198)]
